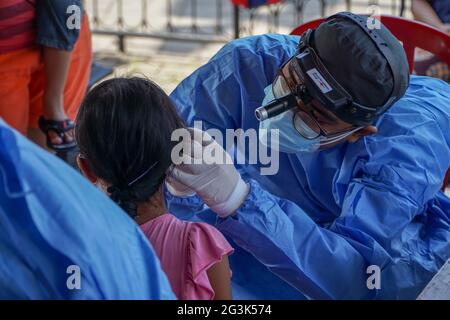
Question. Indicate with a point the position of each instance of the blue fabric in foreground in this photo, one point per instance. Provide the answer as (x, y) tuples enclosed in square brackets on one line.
[(51, 218)]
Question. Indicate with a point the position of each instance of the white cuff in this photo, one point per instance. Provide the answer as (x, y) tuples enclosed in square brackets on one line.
[(235, 200)]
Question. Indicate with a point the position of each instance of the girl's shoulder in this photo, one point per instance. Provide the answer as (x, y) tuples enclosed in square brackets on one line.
[(204, 236), (206, 246), (202, 241), (197, 236), (189, 247)]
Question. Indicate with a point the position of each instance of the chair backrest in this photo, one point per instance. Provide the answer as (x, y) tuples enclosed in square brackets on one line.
[(412, 34)]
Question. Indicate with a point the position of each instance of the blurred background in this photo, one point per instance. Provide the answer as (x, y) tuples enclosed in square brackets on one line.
[(167, 40)]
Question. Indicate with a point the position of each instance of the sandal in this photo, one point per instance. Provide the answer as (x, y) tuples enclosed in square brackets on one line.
[(59, 128)]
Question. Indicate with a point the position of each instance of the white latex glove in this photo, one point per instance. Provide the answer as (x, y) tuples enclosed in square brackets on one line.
[(178, 189), (217, 183), (190, 147)]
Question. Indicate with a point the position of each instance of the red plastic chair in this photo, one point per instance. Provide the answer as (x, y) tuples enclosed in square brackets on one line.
[(412, 34)]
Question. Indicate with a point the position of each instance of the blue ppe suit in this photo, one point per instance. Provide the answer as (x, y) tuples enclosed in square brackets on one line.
[(327, 219), (57, 231)]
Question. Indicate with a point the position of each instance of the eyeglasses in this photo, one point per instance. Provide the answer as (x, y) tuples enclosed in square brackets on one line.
[(304, 122)]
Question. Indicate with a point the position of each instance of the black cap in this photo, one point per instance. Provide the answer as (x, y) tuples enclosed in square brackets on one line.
[(354, 60)]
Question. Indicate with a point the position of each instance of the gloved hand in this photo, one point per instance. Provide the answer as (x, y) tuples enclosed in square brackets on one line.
[(217, 182), (177, 188), (190, 147)]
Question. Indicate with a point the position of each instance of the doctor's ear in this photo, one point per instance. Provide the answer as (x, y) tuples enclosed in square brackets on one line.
[(84, 168), (367, 131)]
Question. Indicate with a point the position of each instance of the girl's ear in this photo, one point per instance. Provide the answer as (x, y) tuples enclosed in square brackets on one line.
[(84, 168)]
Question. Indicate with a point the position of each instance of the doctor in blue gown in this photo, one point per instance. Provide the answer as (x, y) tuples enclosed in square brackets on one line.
[(331, 216), (61, 238)]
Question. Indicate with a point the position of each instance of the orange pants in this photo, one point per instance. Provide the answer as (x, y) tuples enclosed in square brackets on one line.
[(22, 82)]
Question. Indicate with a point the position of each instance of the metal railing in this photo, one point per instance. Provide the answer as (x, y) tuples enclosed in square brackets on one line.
[(212, 20)]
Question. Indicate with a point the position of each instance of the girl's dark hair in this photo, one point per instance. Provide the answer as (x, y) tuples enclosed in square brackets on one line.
[(123, 129)]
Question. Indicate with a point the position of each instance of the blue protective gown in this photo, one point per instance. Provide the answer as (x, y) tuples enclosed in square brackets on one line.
[(51, 218), (325, 217)]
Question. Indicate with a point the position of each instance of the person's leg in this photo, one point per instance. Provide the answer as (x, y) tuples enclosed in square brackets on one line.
[(75, 88), (430, 65), (15, 73)]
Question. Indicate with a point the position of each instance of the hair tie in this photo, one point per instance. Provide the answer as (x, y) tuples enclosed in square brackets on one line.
[(117, 194), (122, 198)]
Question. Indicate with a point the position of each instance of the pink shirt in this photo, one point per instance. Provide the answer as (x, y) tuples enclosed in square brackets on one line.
[(186, 251)]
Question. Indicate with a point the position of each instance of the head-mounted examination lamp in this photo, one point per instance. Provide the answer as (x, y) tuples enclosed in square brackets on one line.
[(276, 107), (314, 82)]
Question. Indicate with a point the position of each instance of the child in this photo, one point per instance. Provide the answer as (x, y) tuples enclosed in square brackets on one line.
[(123, 129)]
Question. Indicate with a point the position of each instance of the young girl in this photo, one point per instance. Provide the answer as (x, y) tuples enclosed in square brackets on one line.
[(123, 130)]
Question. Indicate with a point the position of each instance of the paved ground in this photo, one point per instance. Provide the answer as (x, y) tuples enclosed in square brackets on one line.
[(167, 68)]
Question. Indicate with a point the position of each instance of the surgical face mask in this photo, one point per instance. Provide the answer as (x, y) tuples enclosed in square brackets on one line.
[(290, 140)]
